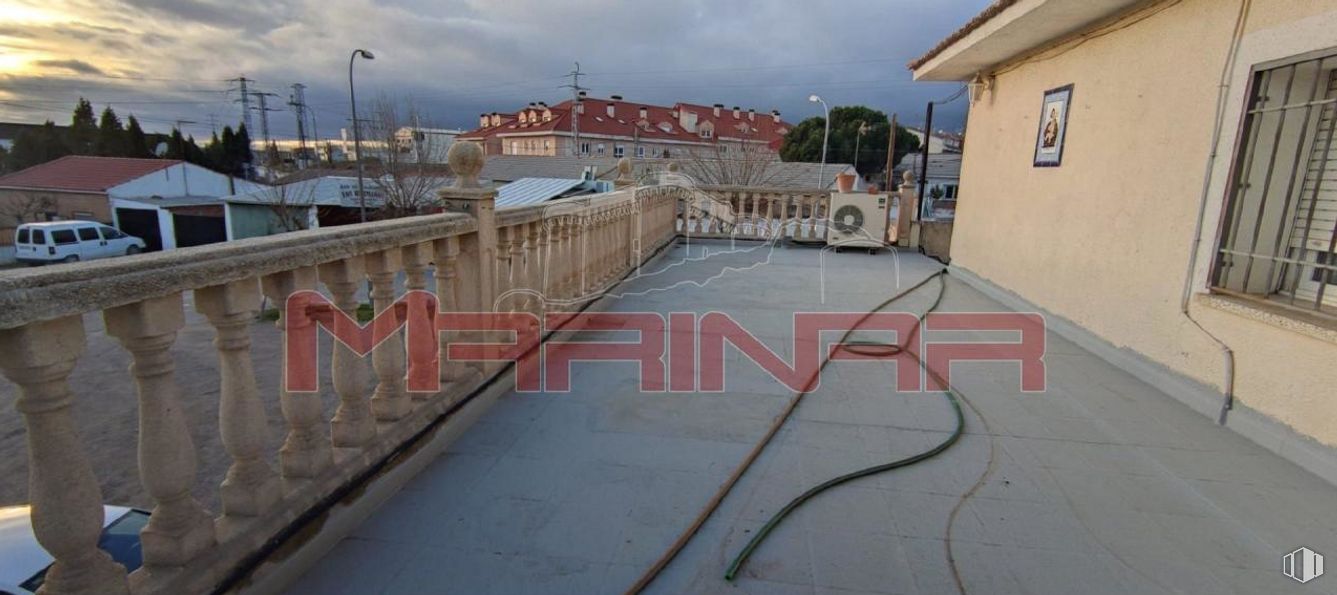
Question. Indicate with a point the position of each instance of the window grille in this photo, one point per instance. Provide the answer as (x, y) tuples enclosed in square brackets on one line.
[(1280, 221)]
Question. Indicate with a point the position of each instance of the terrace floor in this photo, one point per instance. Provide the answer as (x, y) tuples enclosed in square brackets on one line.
[(1101, 484)]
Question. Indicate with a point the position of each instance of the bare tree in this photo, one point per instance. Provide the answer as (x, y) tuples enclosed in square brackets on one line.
[(411, 166), (290, 203), (24, 207), (732, 163)]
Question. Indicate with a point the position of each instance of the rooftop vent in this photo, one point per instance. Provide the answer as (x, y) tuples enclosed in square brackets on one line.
[(615, 97)]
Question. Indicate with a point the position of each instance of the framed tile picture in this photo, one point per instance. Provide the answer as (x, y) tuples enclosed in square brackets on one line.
[(1053, 127)]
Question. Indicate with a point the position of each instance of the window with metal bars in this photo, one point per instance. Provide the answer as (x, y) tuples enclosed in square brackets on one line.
[(1279, 232)]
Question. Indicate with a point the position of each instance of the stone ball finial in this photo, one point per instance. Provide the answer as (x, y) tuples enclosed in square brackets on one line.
[(908, 178), (466, 160), (624, 167)]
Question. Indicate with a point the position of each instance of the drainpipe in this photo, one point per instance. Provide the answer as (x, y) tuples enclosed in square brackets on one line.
[(1227, 354)]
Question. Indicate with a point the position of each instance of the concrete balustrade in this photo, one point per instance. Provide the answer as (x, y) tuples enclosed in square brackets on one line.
[(558, 256)]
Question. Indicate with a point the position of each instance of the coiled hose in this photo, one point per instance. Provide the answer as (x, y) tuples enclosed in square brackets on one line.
[(860, 347)]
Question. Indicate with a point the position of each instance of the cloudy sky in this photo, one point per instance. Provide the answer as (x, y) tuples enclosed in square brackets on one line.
[(170, 60)]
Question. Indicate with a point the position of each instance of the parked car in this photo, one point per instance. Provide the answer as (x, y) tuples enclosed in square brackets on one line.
[(71, 241), (23, 562)]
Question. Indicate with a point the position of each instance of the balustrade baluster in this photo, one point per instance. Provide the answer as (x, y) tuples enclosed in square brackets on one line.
[(251, 486), (453, 373), (306, 450), (390, 400), (179, 528), (353, 425), (66, 500)]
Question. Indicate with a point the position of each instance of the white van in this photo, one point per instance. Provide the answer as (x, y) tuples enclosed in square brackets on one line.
[(71, 241)]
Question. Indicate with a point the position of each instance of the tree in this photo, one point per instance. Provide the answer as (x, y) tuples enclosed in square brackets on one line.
[(33, 147), (24, 207), (136, 142), (240, 151), (804, 141), (111, 138), (291, 203), (409, 172), (83, 129), (735, 163)]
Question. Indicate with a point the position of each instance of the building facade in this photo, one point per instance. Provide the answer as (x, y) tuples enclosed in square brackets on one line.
[(617, 128), (1091, 127)]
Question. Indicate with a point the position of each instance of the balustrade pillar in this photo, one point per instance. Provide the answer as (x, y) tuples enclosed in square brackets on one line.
[(251, 486), (66, 501), (390, 399), (306, 450), (353, 425)]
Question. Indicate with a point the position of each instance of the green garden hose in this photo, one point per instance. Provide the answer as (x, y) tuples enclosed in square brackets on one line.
[(873, 349), (866, 348)]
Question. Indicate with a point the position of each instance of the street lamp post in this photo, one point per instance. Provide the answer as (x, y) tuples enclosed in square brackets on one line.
[(826, 137), (357, 136)]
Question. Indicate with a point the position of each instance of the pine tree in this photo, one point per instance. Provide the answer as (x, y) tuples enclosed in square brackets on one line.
[(136, 143), (83, 129), (111, 138), (176, 145), (227, 162)]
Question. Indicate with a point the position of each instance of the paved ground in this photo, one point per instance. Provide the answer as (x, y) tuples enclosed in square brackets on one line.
[(1101, 484)]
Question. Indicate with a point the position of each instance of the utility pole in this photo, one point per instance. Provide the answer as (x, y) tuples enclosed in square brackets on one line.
[(245, 101), (298, 103), (891, 152), (575, 116), (271, 152), (923, 156)]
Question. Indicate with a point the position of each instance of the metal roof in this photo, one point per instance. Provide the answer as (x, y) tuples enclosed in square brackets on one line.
[(528, 191)]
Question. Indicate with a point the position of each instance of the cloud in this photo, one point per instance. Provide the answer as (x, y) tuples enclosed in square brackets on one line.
[(458, 58), (72, 65)]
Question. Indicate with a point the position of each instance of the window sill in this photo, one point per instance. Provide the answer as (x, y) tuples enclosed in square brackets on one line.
[(1310, 324)]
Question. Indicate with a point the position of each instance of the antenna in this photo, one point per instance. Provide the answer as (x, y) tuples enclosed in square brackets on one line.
[(575, 116)]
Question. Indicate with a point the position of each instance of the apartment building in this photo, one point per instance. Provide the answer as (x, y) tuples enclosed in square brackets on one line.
[(615, 127)]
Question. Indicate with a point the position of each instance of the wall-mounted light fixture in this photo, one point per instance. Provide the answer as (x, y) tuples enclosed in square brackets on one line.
[(978, 86)]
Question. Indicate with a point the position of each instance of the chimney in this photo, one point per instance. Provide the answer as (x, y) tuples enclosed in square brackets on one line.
[(775, 115), (580, 106), (581, 94), (483, 120), (751, 115), (543, 104), (645, 112), (718, 107), (611, 109), (615, 97), (496, 119), (735, 112)]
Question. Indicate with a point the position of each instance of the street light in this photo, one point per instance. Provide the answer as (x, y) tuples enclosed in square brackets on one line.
[(826, 136), (357, 137)]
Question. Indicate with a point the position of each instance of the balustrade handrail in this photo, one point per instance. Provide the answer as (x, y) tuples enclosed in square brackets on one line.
[(33, 295)]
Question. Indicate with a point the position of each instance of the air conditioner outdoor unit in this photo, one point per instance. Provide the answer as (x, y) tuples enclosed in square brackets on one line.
[(857, 220)]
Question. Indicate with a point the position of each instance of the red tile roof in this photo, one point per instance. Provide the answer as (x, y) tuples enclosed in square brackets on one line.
[(80, 173), (626, 121)]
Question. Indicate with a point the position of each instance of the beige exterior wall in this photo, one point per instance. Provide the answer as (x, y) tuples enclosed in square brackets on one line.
[(1104, 239)]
